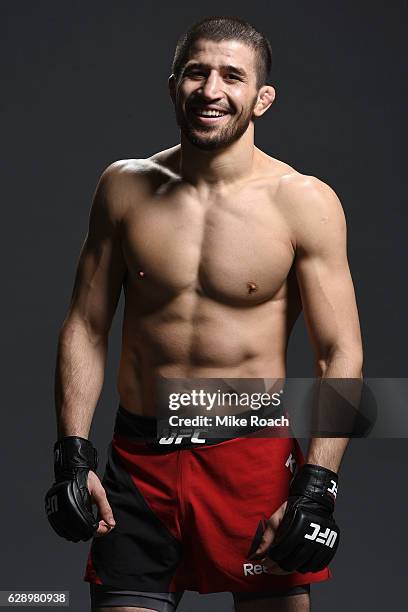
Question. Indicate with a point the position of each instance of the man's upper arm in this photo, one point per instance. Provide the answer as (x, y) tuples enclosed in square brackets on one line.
[(323, 273), (101, 267)]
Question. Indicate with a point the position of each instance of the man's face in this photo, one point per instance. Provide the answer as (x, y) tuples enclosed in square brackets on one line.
[(216, 93)]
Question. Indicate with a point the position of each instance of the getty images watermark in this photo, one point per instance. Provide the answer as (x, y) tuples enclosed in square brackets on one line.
[(332, 407), (196, 427), (208, 400)]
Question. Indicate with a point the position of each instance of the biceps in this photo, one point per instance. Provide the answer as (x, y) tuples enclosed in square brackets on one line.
[(98, 281), (329, 303)]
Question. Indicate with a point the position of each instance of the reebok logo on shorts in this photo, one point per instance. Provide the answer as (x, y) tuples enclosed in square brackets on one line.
[(254, 569)]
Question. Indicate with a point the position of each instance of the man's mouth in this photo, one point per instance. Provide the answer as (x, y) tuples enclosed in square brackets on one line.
[(208, 115), (209, 112)]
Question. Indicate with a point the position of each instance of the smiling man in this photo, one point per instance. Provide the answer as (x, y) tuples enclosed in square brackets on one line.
[(197, 117), (218, 247)]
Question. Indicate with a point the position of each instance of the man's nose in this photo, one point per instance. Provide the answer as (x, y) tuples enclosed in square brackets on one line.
[(212, 85)]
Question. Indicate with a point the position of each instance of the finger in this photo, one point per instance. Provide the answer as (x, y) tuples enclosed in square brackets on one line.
[(270, 531), (103, 529), (99, 497), (276, 518), (272, 568), (266, 541)]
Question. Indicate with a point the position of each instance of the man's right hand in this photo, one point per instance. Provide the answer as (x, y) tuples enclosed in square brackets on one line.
[(68, 503)]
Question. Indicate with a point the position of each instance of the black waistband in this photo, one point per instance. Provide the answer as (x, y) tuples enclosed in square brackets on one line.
[(139, 429), (134, 426), (149, 430)]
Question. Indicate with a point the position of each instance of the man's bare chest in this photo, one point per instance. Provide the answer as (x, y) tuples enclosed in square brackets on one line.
[(236, 250)]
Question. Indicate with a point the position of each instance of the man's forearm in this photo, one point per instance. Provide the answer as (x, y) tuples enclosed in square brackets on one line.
[(328, 452), (79, 378)]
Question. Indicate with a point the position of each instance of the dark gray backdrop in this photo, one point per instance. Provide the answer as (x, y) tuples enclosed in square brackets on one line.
[(86, 84)]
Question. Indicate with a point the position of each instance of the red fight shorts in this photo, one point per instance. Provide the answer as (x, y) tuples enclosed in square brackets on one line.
[(190, 518)]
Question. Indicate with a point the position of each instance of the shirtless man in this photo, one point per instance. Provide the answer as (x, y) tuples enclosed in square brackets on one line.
[(218, 247)]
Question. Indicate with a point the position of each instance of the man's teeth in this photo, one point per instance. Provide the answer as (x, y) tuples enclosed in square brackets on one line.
[(210, 113)]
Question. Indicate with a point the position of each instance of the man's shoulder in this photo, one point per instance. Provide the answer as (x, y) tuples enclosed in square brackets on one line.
[(296, 185), (136, 174), (292, 186), (308, 197), (163, 162), (311, 208), (128, 169)]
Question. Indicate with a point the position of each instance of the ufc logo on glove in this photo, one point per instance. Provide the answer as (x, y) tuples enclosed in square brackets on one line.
[(327, 537)]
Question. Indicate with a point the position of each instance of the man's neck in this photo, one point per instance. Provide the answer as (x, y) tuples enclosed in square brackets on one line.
[(220, 167)]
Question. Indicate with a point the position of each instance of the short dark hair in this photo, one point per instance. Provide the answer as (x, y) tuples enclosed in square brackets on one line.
[(225, 28)]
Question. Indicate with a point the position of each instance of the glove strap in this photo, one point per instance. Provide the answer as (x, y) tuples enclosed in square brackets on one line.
[(317, 483), (72, 453)]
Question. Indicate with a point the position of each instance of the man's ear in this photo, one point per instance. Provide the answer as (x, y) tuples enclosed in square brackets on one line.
[(172, 87), (266, 96)]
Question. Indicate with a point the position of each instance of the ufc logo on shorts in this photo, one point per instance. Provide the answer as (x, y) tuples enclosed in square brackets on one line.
[(333, 489), (51, 505), (177, 439), (327, 537)]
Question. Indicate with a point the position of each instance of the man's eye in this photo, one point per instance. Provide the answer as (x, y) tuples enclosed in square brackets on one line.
[(232, 76), (195, 73)]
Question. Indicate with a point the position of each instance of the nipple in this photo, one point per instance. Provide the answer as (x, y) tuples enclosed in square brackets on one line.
[(252, 287)]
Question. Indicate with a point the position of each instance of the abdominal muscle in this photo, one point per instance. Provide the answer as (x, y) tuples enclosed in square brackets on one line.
[(196, 337)]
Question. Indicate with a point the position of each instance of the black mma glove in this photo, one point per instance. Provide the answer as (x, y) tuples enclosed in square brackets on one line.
[(68, 502), (307, 538)]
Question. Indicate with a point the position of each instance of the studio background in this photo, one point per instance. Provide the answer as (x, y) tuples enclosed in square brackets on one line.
[(85, 83)]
